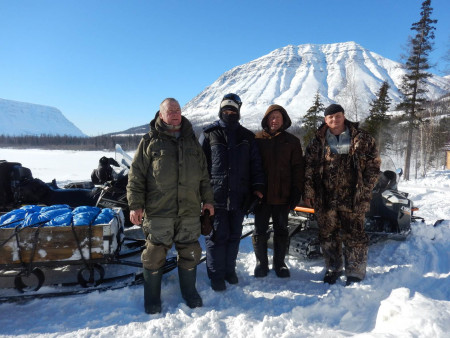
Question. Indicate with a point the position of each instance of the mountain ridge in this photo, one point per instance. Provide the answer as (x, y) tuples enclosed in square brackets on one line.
[(344, 73), (34, 119), (291, 75)]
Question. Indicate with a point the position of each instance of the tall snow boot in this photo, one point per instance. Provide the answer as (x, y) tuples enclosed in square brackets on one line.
[(187, 279), (260, 248), (152, 290), (280, 247)]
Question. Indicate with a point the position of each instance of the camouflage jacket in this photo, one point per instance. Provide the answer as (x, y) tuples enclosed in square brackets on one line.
[(344, 182), (169, 176)]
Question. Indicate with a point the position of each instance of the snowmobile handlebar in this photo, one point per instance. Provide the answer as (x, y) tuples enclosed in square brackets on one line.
[(304, 209)]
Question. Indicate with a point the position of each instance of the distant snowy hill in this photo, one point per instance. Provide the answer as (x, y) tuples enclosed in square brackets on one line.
[(290, 76), (20, 118)]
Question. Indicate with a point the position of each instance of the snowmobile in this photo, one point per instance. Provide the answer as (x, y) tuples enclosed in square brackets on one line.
[(389, 217), (106, 189)]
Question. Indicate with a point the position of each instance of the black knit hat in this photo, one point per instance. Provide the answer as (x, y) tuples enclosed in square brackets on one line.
[(333, 109)]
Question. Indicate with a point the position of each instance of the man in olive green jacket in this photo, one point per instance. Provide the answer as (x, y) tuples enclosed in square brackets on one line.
[(167, 184)]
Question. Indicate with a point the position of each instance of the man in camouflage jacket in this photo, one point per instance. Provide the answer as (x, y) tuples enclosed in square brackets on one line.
[(167, 183), (342, 167)]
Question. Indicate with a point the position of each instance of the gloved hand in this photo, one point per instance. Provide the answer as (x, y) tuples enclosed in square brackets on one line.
[(206, 221)]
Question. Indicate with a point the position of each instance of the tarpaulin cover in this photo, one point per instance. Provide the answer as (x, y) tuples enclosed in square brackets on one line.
[(56, 215)]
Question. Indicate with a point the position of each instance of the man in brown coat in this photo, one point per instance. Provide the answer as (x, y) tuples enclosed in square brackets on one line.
[(283, 164)]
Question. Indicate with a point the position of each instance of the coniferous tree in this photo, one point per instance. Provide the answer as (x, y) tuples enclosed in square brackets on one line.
[(378, 121), (413, 82), (312, 119)]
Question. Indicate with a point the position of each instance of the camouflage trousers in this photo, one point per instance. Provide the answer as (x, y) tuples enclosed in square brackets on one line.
[(343, 241), (161, 233)]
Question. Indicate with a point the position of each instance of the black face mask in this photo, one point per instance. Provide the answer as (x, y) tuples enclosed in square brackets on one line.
[(230, 118)]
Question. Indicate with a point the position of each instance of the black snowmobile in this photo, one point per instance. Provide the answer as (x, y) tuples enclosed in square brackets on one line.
[(389, 217), (107, 188)]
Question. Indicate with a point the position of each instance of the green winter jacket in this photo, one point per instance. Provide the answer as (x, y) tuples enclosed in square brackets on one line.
[(169, 176)]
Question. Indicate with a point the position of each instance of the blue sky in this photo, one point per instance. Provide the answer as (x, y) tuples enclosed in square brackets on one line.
[(107, 64)]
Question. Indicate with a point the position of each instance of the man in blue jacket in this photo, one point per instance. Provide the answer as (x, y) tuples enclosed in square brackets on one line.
[(236, 173)]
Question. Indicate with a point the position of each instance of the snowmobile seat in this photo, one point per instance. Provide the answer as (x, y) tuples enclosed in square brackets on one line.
[(6, 193), (386, 180), (31, 191), (20, 175)]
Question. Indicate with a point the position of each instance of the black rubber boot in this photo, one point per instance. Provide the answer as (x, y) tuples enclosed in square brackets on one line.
[(260, 248), (332, 276), (351, 280), (218, 284), (187, 279), (231, 277), (280, 247), (152, 291)]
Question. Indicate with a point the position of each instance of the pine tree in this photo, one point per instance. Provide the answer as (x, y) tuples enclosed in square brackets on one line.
[(378, 121), (413, 82), (312, 119)]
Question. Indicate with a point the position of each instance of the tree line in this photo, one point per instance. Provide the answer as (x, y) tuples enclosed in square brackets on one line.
[(103, 142)]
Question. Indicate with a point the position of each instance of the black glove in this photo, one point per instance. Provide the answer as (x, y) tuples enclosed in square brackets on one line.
[(206, 221)]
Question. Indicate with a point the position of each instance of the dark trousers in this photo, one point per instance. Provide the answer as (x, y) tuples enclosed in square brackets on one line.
[(279, 214), (222, 246)]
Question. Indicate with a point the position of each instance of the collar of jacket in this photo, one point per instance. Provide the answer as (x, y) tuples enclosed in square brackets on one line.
[(352, 126), (156, 127), (266, 135)]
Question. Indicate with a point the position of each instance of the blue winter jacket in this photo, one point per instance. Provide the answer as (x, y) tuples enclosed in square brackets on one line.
[(234, 164)]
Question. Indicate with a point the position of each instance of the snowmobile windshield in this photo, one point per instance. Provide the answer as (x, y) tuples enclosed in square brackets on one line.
[(122, 157), (387, 163)]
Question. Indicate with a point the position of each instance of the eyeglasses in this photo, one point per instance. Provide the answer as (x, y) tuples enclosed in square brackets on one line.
[(233, 97)]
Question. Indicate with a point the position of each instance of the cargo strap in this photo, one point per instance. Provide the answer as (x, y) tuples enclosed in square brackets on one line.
[(77, 240)]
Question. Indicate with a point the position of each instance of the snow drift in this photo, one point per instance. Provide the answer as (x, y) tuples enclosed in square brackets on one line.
[(406, 292)]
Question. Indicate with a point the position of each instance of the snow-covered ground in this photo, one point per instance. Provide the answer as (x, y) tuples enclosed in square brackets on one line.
[(406, 292)]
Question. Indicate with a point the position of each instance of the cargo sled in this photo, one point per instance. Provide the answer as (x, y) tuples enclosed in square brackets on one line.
[(72, 259), (34, 252)]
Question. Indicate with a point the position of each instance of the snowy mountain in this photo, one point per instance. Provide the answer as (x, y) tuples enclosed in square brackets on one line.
[(345, 73), (20, 118)]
